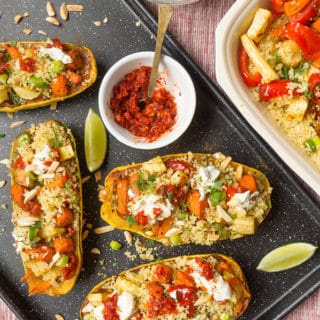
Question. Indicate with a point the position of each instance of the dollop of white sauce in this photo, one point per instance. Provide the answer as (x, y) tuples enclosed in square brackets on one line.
[(148, 203), (206, 177), (243, 200), (39, 159), (56, 54), (125, 304)]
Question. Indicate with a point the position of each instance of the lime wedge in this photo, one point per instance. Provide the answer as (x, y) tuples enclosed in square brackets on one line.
[(95, 141), (287, 256)]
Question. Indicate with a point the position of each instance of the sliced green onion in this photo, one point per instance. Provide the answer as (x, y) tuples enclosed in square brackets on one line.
[(131, 220), (310, 145), (32, 233), (38, 82), (57, 66), (316, 141), (115, 245), (63, 260), (3, 78), (176, 239), (225, 316)]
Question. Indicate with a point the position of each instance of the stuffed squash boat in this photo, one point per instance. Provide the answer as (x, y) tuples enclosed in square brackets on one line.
[(210, 286), (47, 207), (36, 74), (186, 198)]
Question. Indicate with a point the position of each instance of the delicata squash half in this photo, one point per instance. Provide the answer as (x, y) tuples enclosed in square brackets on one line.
[(186, 198), (210, 286), (36, 74), (47, 207)]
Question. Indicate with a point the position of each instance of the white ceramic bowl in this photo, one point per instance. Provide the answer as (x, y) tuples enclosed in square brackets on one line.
[(178, 82), (233, 24)]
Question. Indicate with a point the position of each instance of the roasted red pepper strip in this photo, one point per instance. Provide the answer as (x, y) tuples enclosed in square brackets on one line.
[(274, 89), (278, 5), (305, 17), (251, 80), (307, 39), (314, 80)]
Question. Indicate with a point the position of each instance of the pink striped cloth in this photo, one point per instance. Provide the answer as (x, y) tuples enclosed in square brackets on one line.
[(194, 27)]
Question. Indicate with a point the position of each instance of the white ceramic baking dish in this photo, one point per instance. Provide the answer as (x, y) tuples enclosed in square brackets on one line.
[(235, 22)]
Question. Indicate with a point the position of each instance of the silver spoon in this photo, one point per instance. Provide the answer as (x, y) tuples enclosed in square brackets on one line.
[(165, 12)]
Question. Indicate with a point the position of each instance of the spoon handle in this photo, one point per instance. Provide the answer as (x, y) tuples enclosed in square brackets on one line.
[(165, 12)]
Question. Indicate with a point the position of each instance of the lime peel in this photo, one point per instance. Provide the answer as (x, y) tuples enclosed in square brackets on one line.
[(95, 141), (287, 256)]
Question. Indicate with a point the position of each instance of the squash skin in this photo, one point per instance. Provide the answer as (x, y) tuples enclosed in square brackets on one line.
[(235, 267), (90, 73), (110, 215), (68, 284)]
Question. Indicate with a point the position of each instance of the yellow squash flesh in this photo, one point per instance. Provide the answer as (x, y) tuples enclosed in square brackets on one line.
[(36, 100), (64, 287), (240, 286), (108, 197)]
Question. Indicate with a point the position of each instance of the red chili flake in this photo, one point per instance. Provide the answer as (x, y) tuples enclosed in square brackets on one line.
[(142, 116)]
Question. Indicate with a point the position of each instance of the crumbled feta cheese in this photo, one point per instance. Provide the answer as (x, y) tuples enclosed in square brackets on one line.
[(243, 200), (205, 177), (98, 312), (39, 159), (125, 304), (147, 204), (56, 54)]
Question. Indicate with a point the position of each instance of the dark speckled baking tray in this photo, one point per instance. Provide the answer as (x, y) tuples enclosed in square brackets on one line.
[(217, 126)]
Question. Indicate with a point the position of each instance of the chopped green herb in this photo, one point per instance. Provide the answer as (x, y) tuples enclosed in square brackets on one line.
[(56, 141), (285, 72), (307, 94), (277, 58), (3, 78), (6, 57), (301, 68), (131, 220), (13, 43), (2, 135), (38, 82), (24, 139), (146, 182), (15, 98), (170, 196)]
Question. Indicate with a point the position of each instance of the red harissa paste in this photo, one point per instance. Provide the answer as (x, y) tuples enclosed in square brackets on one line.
[(143, 117)]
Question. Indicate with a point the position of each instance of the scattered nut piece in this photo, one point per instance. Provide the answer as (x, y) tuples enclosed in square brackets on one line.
[(53, 105), (5, 162), (138, 23), (17, 124), (2, 183), (85, 234), (173, 232), (50, 9), (103, 229), (59, 317), (95, 251), (102, 195), (74, 7), (53, 21), (64, 13), (128, 237), (43, 33), (27, 31), (10, 115), (89, 225), (4, 206), (26, 14), (97, 23), (17, 18), (85, 179), (98, 175), (105, 20)]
